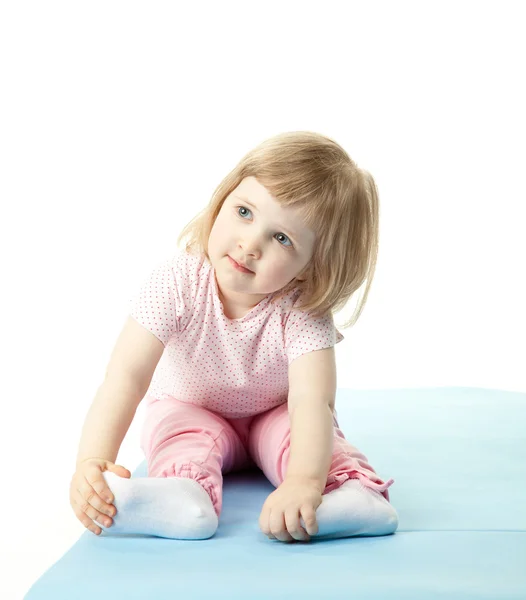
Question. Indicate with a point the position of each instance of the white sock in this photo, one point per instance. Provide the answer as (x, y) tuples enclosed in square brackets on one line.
[(168, 507), (354, 510)]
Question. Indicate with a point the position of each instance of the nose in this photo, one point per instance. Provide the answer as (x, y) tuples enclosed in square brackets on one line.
[(250, 246)]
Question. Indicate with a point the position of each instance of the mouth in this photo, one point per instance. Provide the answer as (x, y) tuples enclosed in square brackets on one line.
[(239, 267)]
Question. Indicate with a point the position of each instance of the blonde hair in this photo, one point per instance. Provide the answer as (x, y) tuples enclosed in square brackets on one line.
[(337, 200)]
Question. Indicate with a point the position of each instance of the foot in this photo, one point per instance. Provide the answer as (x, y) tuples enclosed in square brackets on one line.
[(169, 507), (354, 510)]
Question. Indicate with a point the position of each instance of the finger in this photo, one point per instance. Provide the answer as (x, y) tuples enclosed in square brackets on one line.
[(96, 517), (278, 527), (98, 483), (86, 501), (118, 470), (263, 521), (77, 504), (96, 487), (292, 521), (309, 519)]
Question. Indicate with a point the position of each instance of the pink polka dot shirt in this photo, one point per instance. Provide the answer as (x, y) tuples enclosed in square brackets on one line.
[(234, 367)]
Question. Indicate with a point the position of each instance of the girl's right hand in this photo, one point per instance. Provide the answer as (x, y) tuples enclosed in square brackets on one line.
[(89, 494)]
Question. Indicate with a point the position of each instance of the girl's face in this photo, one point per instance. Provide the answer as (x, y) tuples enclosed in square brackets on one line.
[(268, 239)]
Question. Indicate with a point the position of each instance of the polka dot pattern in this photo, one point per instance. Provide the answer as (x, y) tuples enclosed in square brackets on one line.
[(235, 367)]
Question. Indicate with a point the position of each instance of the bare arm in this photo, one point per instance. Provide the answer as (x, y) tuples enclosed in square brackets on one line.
[(109, 418), (312, 391), (128, 376)]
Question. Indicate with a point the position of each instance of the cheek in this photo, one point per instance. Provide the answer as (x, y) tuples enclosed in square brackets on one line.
[(217, 228), (213, 239), (222, 224), (282, 266)]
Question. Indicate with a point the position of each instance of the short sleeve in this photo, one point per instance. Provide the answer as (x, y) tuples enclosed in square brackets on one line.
[(159, 304), (306, 333)]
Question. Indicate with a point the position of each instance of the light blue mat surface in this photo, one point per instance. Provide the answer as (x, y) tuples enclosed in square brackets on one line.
[(458, 457)]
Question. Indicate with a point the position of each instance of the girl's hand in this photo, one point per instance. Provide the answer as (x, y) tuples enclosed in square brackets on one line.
[(89, 495), (280, 516)]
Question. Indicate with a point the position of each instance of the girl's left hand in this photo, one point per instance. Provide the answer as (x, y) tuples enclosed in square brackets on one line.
[(280, 516)]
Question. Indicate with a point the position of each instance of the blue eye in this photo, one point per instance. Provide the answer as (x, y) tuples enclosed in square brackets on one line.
[(242, 208), (283, 235)]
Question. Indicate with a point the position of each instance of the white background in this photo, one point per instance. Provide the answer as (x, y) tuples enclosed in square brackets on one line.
[(119, 119)]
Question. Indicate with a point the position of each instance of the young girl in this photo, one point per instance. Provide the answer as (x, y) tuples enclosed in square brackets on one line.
[(231, 342)]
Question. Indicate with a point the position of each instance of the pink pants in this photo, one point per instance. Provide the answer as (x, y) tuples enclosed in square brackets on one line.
[(186, 440)]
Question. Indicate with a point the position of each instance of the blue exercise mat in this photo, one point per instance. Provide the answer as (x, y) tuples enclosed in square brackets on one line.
[(458, 458)]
